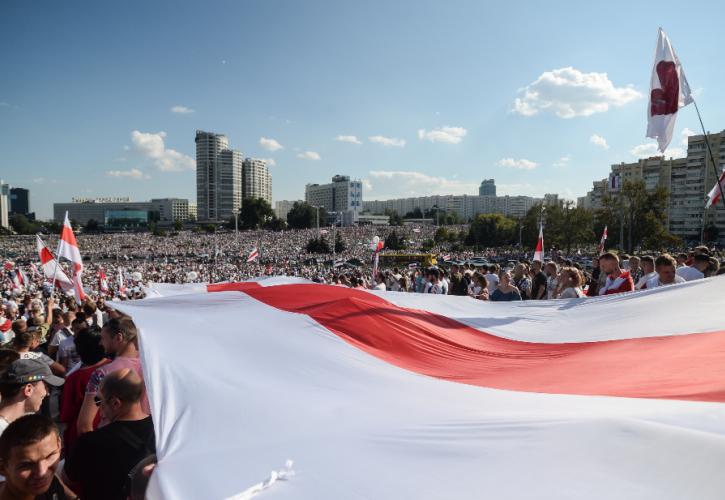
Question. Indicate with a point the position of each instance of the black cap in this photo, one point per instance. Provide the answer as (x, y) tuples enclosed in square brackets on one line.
[(26, 371)]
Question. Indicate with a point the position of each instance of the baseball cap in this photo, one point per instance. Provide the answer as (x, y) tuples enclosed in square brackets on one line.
[(25, 371)]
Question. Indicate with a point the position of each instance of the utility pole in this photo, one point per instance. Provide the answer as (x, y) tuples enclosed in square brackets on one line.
[(521, 228)]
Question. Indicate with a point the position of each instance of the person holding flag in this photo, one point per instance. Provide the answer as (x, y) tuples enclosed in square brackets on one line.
[(601, 242), (68, 248), (51, 270)]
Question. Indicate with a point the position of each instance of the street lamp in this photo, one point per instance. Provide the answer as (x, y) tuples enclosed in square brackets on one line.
[(521, 228)]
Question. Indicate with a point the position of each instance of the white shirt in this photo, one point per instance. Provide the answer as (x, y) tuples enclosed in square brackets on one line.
[(491, 282), (689, 273), (655, 282), (644, 279)]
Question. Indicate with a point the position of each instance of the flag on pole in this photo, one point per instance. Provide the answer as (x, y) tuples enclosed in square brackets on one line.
[(68, 248), (714, 195), (669, 91), (601, 241), (34, 270), (102, 281), (121, 283), (51, 269), (590, 399), (539, 252), (253, 255)]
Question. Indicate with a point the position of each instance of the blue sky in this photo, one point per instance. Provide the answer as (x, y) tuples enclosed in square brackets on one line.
[(88, 92)]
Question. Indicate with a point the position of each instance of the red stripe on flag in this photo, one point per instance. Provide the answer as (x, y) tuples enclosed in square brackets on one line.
[(687, 367)]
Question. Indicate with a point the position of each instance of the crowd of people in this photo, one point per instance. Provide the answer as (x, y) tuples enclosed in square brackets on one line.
[(74, 414)]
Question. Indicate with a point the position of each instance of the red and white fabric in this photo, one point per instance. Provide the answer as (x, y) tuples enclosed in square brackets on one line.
[(51, 270), (389, 395), (602, 241), (669, 91), (620, 284), (68, 248), (253, 255), (714, 195), (102, 281), (121, 282), (539, 252)]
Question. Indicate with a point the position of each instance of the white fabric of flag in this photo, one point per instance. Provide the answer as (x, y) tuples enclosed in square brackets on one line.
[(669, 91), (280, 402)]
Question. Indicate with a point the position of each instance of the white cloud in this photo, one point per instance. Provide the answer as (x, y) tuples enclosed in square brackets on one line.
[(598, 140), (686, 132), (522, 164), (134, 173), (348, 138), (650, 149), (387, 141), (270, 144), (309, 155), (39, 180), (152, 146), (181, 110), (567, 92), (4, 104), (410, 183), (450, 135), (563, 161)]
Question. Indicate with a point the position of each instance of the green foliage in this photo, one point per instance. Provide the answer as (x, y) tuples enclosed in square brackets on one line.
[(492, 230), (395, 219), (209, 228), (339, 244), (394, 242), (416, 213), (91, 226), (178, 225), (304, 216), (318, 245), (254, 214), (427, 244), (440, 235), (565, 226), (640, 213), (21, 225)]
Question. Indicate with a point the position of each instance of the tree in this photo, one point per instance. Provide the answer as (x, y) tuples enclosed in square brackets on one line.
[(640, 214), (440, 235), (255, 213), (339, 244), (318, 245), (178, 225), (21, 225), (91, 226), (394, 242), (395, 219), (304, 216), (492, 230), (416, 213)]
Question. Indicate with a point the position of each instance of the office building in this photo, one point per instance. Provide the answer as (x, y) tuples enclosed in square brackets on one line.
[(342, 197), (487, 188), (4, 205), (282, 208), (229, 184), (20, 202), (105, 211), (256, 180), (208, 147)]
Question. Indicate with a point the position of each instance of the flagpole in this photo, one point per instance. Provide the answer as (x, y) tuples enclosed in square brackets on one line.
[(712, 158)]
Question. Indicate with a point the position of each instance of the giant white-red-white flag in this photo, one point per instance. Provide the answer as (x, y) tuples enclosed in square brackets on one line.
[(51, 270), (669, 91), (68, 248), (539, 252), (389, 396)]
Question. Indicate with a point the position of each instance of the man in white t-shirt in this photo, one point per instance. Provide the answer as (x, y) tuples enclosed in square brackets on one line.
[(697, 270), (665, 266), (492, 278), (647, 263)]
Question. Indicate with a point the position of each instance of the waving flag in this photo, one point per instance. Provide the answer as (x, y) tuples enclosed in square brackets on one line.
[(121, 283), (539, 252), (714, 195), (354, 394), (51, 270), (253, 255), (68, 248), (102, 281), (602, 241), (669, 91)]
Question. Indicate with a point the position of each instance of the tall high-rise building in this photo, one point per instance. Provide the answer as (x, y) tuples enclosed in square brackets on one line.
[(487, 188), (341, 196), (229, 188), (19, 201), (208, 147), (256, 180), (4, 204)]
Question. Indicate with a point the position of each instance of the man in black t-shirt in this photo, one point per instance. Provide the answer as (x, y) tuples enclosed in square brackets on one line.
[(101, 460), (538, 281)]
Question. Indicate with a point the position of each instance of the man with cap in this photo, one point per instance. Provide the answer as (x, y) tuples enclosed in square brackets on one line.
[(22, 389)]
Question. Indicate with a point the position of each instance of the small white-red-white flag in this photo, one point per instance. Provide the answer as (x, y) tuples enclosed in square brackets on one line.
[(121, 283), (714, 195), (102, 281), (539, 252), (68, 248), (253, 255), (669, 91), (601, 242), (51, 269)]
